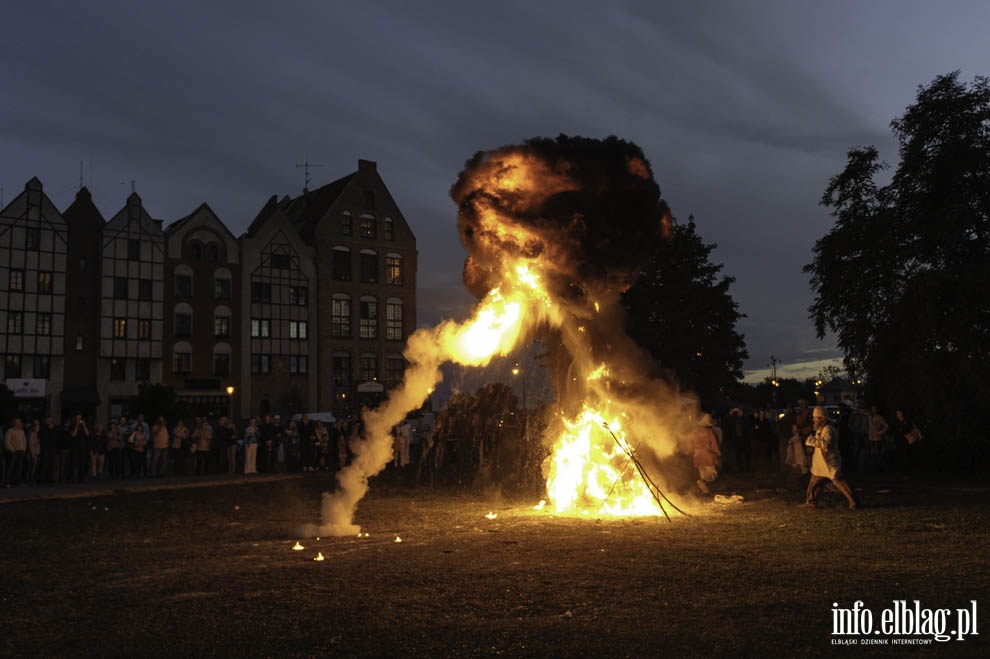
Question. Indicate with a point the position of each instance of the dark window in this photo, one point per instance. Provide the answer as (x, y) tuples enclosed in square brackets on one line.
[(182, 362), (368, 328), (45, 282), (342, 370), (261, 292), (80, 344), (133, 250), (120, 288), (32, 238), (144, 289), (221, 289), (212, 253), (15, 282), (183, 324), (279, 261), (183, 286), (15, 322), (43, 324), (261, 364), (221, 327), (369, 268), (368, 368), (195, 252), (394, 368), (298, 365), (345, 225), (12, 367), (144, 329), (117, 369), (80, 304), (142, 369), (393, 321), (298, 295), (42, 366), (340, 318), (342, 264), (388, 229), (120, 328), (221, 364)]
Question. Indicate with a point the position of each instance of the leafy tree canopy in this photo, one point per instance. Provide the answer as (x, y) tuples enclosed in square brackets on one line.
[(901, 278), (681, 311)]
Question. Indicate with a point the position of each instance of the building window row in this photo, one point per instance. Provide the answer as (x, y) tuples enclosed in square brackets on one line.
[(182, 362), (184, 287), (13, 366), (368, 266), (340, 318), (15, 281)]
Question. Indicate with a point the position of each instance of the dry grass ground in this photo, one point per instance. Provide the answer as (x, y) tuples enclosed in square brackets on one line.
[(211, 572)]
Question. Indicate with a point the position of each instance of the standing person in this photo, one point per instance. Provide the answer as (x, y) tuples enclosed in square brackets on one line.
[(403, 438), (876, 435), (826, 463), (251, 447), (226, 436), (203, 438), (859, 427), (115, 450), (180, 447), (159, 447), (706, 452), (137, 444), (785, 431), (15, 445), (63, 438), (906, 438), (290, 440), (97, 451), (34, 453), (796, 457)]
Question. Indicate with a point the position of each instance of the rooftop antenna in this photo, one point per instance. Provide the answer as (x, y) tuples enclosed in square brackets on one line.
[(306, 165), (80, 174)]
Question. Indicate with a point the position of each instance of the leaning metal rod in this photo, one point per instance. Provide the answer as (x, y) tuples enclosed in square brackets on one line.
[(616, 481), (642, 472)]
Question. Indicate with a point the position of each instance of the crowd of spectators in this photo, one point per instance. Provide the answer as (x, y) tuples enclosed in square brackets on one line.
[(41, 451)]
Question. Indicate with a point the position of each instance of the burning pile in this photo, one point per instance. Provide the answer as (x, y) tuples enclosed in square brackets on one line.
[(556, 229)]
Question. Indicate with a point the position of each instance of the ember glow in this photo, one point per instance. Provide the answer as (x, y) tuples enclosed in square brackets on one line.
[(556, 230)]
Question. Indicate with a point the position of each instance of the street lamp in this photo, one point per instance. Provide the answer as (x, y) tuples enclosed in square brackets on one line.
[(230, 401)]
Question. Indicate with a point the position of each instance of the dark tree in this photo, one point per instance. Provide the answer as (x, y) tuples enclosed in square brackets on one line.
[(155, 400), (681, 311), (901, 278)]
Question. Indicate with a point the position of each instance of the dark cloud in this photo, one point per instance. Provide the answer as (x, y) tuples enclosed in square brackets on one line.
[(744, 109)]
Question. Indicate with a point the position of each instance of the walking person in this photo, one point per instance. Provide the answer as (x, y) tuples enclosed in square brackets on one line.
[(826, 463)]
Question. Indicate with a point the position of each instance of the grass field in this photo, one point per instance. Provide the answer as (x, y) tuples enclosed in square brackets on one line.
[(210, 571)]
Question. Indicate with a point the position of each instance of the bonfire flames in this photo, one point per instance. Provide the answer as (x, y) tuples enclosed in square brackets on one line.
[(556, 229)]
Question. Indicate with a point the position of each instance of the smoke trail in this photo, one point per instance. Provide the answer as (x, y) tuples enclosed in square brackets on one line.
[(555, 229)]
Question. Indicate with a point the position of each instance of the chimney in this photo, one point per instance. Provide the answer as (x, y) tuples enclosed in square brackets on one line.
[(367, 165)]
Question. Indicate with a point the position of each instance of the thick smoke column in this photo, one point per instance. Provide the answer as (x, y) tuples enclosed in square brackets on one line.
[(556, 229), (588, 210)]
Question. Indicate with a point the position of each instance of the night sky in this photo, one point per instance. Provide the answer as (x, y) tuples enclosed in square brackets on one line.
[(745, 109)]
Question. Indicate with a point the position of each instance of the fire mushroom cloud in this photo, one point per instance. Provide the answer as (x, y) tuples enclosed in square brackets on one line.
[(587, 209)]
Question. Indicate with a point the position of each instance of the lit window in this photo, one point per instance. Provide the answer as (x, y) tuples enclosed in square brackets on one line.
[(120, 328), (260, 328), (144, 329), (393, 270), (368, 367), (368, 226), (44, 282), (297, 329)]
